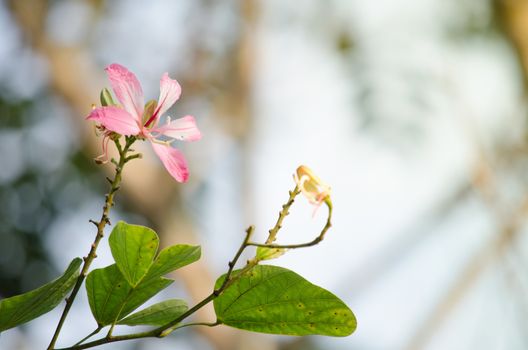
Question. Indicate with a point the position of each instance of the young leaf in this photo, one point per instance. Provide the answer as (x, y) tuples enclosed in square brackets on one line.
[(264, 253), (172, 258), (112, 298), (272, 299), (28, 306), (157, 314), (133, 248)]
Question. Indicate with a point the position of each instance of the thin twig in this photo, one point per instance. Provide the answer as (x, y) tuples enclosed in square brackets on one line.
[(301, 245), (282, 214), (233, 262), (206, 324), (109, 202), (89, 335)]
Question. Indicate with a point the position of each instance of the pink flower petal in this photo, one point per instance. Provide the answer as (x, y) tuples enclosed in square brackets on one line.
[(127, 89), (170, 92), (184, 129), (173, 160), (115, 119)]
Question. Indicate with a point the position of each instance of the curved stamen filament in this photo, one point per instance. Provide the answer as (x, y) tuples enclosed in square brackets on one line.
[(103, 158)]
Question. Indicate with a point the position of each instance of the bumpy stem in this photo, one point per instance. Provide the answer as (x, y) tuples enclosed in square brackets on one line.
[(315, 241), (101, 224), (233, 262), (282, 214)]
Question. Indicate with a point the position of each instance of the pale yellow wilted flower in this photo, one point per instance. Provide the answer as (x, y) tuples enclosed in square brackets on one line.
[(312, 187)]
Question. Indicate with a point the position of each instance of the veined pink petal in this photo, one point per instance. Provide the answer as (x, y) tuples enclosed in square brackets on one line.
[(127, 89), (184, 129), (173, 160), (115, 119), (170, 92)]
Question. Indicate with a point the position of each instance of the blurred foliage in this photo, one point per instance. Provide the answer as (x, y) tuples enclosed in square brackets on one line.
[(30, 201)]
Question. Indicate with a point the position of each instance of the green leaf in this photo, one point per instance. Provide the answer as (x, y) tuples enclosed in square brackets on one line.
[(117, 290), (158, 314), (143, 292), (28, 306), (172, 258), (133, 248), (112, 298), (106, 289), (272, 299)]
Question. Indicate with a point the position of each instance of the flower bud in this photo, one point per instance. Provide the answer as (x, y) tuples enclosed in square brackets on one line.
[(106, 98)]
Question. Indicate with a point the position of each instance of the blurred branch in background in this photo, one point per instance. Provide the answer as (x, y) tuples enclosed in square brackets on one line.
[(395, 251), (512, 17), (514, 275), (493, 168)]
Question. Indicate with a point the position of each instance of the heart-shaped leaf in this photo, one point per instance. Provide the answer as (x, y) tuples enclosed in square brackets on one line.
[(28, 306), (133, 248), (158, 314), (112, 298), (272, 299), (119, 289), (143, 292), (172, 258)]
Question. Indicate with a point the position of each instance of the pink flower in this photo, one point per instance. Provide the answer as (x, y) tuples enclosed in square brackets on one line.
[(130, 119)]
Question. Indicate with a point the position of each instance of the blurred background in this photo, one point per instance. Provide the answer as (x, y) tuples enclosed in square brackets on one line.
[(414, 111)]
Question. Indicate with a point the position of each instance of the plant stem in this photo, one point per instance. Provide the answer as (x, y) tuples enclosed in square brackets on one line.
[(233, 262), (155, 333), (207, 324), (89, 335), (316, 240), (282, 214), (109, 202)]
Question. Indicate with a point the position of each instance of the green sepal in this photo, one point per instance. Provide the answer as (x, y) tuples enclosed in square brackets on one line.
[(106, 98)]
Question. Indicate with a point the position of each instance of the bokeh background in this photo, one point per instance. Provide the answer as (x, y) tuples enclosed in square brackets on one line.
[(414, 111)]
